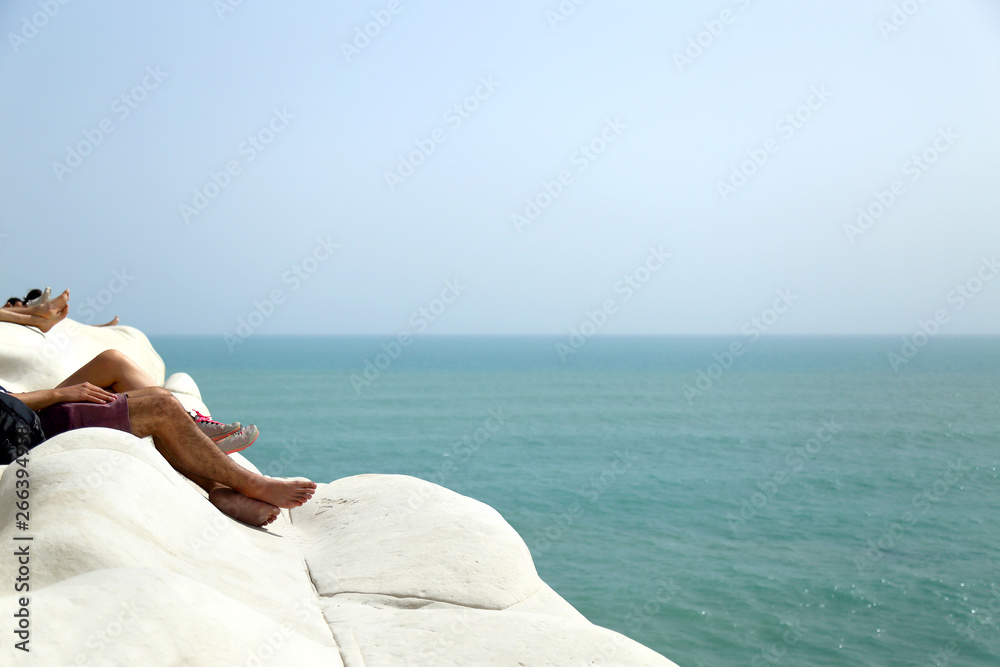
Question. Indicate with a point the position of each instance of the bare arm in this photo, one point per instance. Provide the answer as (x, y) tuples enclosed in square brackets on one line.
[(16, 316), (44, 316), (77, 393)]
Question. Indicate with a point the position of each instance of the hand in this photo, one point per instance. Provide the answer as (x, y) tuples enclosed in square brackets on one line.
[(85, 393)]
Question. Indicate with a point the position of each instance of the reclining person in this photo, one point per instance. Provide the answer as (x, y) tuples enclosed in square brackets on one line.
[(112, 391), (114, 371), (37, 312), (43, 316)]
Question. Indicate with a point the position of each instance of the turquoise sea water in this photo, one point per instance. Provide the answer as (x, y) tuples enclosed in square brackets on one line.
[(811, 507)]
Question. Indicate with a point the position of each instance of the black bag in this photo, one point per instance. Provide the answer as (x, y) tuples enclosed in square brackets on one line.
[(20, 429)]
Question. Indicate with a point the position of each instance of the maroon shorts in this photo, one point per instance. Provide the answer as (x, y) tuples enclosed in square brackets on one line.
[(64, 417)]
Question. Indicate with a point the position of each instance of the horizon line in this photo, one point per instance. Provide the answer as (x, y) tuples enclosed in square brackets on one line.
[(563, 335)]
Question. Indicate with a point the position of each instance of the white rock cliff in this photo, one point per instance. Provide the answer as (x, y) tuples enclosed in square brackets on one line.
[(129, 564)]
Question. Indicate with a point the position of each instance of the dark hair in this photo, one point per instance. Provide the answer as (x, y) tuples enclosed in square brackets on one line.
[(33, 294), (14, 301)]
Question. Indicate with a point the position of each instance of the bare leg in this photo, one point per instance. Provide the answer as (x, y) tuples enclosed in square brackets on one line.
[(111, 370), (243, 508), (50, 309), (193, 454), (44, 316), (148, 391), (232, 503)]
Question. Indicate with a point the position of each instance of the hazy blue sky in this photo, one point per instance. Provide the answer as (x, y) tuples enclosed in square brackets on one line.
[(117, 116)]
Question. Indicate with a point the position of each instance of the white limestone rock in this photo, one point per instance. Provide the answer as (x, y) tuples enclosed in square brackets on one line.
[(450, 548), (152, 617), (184, 388), (31, 360), (453, 583), (131, 565)]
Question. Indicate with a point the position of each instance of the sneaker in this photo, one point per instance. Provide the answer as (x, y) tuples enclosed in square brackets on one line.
[(213, 429), (37, 297), (240, 440)]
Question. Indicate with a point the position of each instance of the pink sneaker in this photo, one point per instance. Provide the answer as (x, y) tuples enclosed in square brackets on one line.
[(240, 440), (213, 429)]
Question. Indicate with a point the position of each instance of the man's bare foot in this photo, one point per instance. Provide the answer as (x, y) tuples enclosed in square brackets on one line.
[(286, 493), (242, 508)]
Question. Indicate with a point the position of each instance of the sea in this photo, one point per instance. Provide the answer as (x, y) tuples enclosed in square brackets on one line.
[(808, 501)]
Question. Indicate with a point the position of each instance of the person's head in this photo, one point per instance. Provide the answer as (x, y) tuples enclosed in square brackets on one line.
[(13, 301), (33, 294)]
